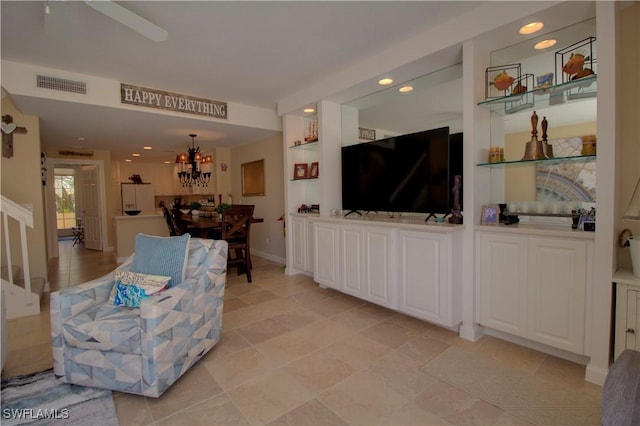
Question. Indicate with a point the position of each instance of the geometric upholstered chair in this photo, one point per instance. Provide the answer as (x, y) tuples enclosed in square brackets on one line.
[(141, 350)]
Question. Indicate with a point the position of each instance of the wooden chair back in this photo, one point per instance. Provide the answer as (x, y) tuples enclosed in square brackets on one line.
[(171, 223), (236, 230)]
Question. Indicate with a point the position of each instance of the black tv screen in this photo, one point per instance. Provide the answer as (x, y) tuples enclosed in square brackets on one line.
[(408, 173)]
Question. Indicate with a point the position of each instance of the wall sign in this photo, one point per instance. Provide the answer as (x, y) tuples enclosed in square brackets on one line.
[(160, 99), (367, 134)]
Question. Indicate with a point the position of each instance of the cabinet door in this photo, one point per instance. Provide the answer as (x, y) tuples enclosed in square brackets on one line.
[(326, 254), (423, 276), (299, 242), (557, 292), (633, 320), (503, 282), (378, 266), (308, 265), (352, 251)]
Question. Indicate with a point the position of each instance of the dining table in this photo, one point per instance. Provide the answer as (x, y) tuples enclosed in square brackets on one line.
[(207, 225)]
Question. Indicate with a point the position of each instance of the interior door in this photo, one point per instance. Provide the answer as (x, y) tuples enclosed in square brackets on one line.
[(91, 214)]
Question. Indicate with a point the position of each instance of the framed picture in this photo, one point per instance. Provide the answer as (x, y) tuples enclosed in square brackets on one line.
[(253, 178), (300, 171), (313, 171), (490, 214)]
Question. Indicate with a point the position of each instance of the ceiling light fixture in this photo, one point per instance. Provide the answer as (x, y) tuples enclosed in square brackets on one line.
[(128, 160), (531, 28), (309, 110), (194, 169), (147, 147), (135, 154), (544, 44), (405, 89), (385, 81)]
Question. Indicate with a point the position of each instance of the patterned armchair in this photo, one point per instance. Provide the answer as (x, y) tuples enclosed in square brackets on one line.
[(140, 350)]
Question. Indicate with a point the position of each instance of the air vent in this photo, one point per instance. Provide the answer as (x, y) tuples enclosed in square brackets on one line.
[(61, 84)]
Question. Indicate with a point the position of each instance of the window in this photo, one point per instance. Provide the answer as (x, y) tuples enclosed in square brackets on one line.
[(64, 185)]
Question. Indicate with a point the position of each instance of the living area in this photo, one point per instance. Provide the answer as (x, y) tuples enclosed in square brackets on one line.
[(386, 319)]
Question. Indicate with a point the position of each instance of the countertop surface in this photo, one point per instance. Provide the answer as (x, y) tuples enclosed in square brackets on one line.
[(139, 216)]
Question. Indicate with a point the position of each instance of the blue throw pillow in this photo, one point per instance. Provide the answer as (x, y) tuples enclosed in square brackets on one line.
[(161, 256)]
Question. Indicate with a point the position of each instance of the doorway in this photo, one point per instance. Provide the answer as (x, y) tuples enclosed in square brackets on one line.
[(89, 194), (64, 185)]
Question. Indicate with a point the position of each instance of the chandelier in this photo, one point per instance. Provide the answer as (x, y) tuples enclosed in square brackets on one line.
[(193, 168)]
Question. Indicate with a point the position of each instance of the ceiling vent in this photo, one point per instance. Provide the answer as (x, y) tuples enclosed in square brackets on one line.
[(61, 84)]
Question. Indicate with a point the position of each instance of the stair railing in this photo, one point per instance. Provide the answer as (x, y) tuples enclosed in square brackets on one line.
[(24, 216)]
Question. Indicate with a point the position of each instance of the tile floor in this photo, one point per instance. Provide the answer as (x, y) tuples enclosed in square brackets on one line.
[(295, 354)]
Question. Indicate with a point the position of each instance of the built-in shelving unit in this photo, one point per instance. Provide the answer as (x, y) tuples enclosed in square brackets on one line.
[(571, 91), (554, 160)]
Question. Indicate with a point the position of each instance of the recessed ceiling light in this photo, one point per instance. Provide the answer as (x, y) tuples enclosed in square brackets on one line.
[(147, 147), (544, 44), (168, 162), (531, 27), (81, 139), (307, 110), (135, 154), (128, 160), (385, 81), (405, 89)]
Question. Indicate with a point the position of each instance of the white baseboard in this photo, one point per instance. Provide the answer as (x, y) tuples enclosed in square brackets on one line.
[(595, 374), (269, 256), (471, 332)]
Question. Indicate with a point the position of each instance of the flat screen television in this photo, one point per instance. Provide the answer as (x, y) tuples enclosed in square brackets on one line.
[(408, 173)]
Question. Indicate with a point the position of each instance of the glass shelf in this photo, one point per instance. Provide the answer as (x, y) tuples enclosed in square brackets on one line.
[(306, 146), (537, 214), (571, 91), (555, 160)]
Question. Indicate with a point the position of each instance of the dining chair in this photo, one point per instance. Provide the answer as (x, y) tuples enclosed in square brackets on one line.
[(236, 230), (175, 229)]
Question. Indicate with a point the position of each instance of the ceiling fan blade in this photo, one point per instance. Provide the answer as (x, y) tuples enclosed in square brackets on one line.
[(130, 19)]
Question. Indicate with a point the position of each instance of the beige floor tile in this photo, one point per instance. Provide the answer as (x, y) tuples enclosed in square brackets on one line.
[(311, 413), (404, 377), (390, 334), (258, 296), (444, 400), (319, 370), (422, 349), (565, 372), (362, 399), (411, 415), (410, 322), (233, 303), (358, 351), (312, 296), (357, 319), (350, 300), (194, 386), (268, 398), (236, 368), (286, 348), (262, 331), (132, 409), (330, 306), (480, 413), (28, 360), (230, 342), (219, 410), (290, 288), (377, 310), (511, 355), (324, 333), (451, 338), (298, 318)]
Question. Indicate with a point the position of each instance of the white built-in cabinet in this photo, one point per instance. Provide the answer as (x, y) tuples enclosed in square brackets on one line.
[(367, 263), (301, 230), (409, 267), (627, 320), (429, 280), (326, 254), (535, 287)]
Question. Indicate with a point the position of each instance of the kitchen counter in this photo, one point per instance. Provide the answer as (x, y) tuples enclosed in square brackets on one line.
[(127, 227)]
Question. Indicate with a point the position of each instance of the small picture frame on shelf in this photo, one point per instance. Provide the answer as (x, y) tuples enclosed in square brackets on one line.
[(313, 170), (490, 214), (300, 171)]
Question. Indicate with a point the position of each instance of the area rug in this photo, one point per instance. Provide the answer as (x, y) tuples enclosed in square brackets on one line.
[(534, 399), (40, 399)]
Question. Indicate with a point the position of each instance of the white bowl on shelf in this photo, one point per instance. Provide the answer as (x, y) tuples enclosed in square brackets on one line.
[(184, 211)]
